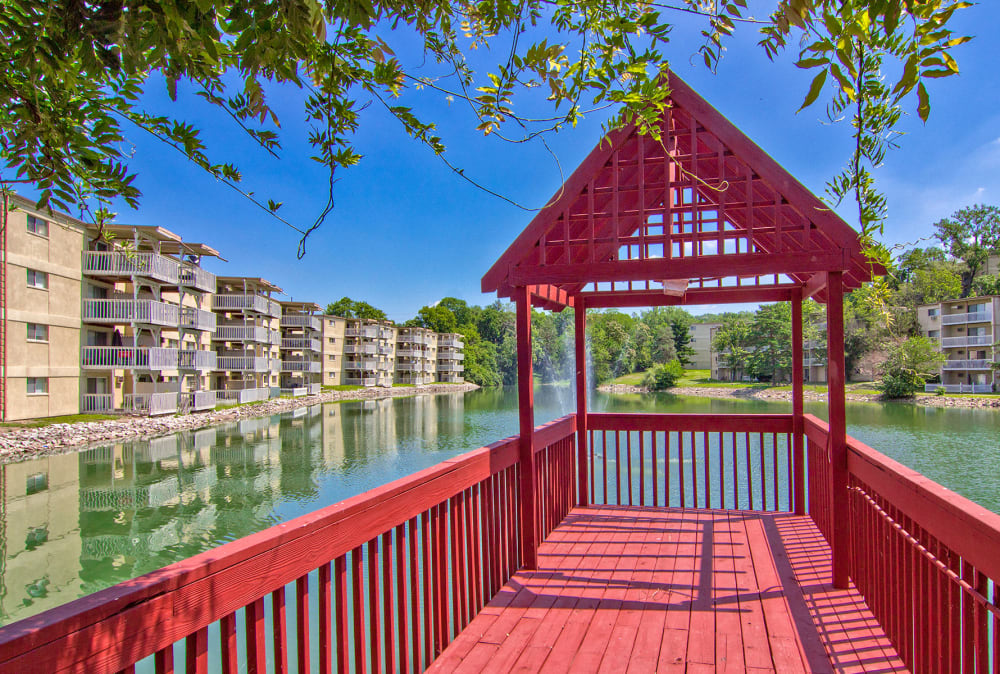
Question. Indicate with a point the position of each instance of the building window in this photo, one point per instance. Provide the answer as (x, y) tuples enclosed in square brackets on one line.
[(332, 356), (933, 312), (333, 340), (38, 226), (38, 332), (37, 482), (38, 279), (38, 386), (933, 334)]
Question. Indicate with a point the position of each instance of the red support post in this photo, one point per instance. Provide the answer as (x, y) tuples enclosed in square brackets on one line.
[(526, 415), (582, 462), (798, 463), (840, 544)]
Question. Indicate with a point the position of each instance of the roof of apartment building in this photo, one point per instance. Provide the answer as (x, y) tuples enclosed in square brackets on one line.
[(186, 248), (961, 299), (299, 306), (249, 281), (23, 202)]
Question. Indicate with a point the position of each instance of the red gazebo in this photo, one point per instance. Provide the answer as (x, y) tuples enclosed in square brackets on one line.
[(701, 215)]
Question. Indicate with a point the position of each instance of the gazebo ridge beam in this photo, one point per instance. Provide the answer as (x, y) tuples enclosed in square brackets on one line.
[(695, 296)]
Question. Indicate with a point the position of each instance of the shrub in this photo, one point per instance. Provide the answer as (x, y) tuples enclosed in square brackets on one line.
[(939, 391), (902, 384), (663, 376)]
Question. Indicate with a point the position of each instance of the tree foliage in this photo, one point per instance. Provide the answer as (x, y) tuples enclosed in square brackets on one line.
[(908, 364), (970, 235), (348, 308), (73, 86), (663, 375)]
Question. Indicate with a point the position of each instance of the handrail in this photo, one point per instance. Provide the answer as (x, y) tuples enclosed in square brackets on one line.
[(114, 628)]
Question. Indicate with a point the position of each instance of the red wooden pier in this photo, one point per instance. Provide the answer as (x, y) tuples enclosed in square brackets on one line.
[(613, 542)]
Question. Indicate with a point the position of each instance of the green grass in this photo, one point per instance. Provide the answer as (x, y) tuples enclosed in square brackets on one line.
[(343, 387), (402, 385), (64, 419)]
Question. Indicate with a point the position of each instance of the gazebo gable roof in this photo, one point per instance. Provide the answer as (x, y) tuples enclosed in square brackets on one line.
[(702, 214)]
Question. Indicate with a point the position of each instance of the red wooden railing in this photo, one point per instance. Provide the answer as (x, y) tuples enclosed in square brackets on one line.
[(926, 560), (380, 582), (734, 461)]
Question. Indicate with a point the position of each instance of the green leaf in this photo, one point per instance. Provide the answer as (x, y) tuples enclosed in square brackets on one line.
[(814, 89), (923, 103)]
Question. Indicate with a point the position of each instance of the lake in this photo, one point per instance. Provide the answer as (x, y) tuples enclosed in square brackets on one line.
[(76, 523)]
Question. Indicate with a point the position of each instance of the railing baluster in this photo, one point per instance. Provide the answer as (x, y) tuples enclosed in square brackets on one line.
[(227, 636), (164, 660), (667, 493), (387, 605), (628, 466), (357, 599), (402, 629), (653, 462), (642, 471), (429, 627), (196, 652), (302, 622), (707, 468), (325, 620), (342, 616), (279, 633)]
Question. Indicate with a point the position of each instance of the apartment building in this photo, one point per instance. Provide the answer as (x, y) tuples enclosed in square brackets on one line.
[(814, 355), (701, 342), (369, 352), (301, 349), (126, 319), (450, 358), (247, 339), (966, 330), (40, 328)]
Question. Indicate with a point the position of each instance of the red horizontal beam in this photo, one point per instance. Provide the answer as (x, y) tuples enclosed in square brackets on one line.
[(695, 296), (814, 285), (114, 628), (754, 264), (968, 529), (755, 423)]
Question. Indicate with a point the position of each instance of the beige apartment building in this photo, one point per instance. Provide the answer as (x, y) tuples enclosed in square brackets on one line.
[(127, 320), (966, 331), (701, 342)]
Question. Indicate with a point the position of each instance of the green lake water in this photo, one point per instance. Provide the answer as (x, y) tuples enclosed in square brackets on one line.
[(76, 523)]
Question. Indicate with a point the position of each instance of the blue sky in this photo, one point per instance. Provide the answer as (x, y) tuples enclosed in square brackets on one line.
[(406, 231)]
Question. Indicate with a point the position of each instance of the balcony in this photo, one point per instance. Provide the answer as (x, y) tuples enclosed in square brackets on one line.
[(191, 359), (410, 367), (369, 365), (197, 319), (246, 303), (300, 344), (385, 349), (301, 366), (125, 311), (242, 363), (306, 322), (451, 379), (410, 338), (360, 381), (386, 333), (192, 276), (409, 353), (967, 340), (369, 332), (128, 358), (448, 354), (152, 404), (959, 388), (243, 333), (198, 401), (971, 317), (980, 364), (243, 396), (124, 265), (360, 348), (450, 342), (294, 392), (449, 366), (91, 403)]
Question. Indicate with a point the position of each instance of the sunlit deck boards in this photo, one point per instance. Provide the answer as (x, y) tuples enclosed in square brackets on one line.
[(644, 590)]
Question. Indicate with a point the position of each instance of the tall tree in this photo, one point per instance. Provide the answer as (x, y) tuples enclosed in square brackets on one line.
[(971, 235), (348, 308), (76, 73)]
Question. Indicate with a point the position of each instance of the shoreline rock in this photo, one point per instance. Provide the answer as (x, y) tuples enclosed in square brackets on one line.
[(808, 396), (17, 443)]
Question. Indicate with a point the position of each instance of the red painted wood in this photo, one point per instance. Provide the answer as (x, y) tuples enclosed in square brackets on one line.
[(387, 602), (402, 629), (196, 652), (164, 661), (580, 344), (358, 609), (302, 622), (417, 632), (526, 416), (765, 423), (799, 488), (694, 296), (325, 620), (342, 618), (279, 631), (227, 635), (838, 425), (427, 576), (255, 637)]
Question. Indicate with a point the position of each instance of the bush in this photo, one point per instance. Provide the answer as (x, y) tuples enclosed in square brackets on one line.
[(901, 384), (663, 376), (940, 391)]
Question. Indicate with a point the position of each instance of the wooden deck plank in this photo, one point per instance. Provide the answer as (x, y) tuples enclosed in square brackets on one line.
[(644, 589)]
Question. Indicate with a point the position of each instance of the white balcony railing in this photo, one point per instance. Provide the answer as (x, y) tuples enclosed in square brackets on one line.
[(301, 366), (122, 311), (970, 317), (242, 363), (299, 344), (450, 354), (386, 333), (384, 349), (198, 401), (360, 381), (369, 331), (979, 364), (241, 396), (411, 338), (196, 277), (959, 388), (409, 353), (315, 388), (242, 333), (244, 302), (191, 359), (451, 378), (360, 348), (363, 364), (151, 403), (295, 392), (127, 358), (450, 342), (120, 264), (967, 340), (409, 367), (96, 402), (311, 322), (197, 319)]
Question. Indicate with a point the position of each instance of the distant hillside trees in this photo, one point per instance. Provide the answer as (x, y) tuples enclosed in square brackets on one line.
[(348, 308), (970, 235)]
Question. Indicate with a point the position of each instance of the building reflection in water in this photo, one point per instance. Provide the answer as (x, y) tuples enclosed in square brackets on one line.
[(73, 524)]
